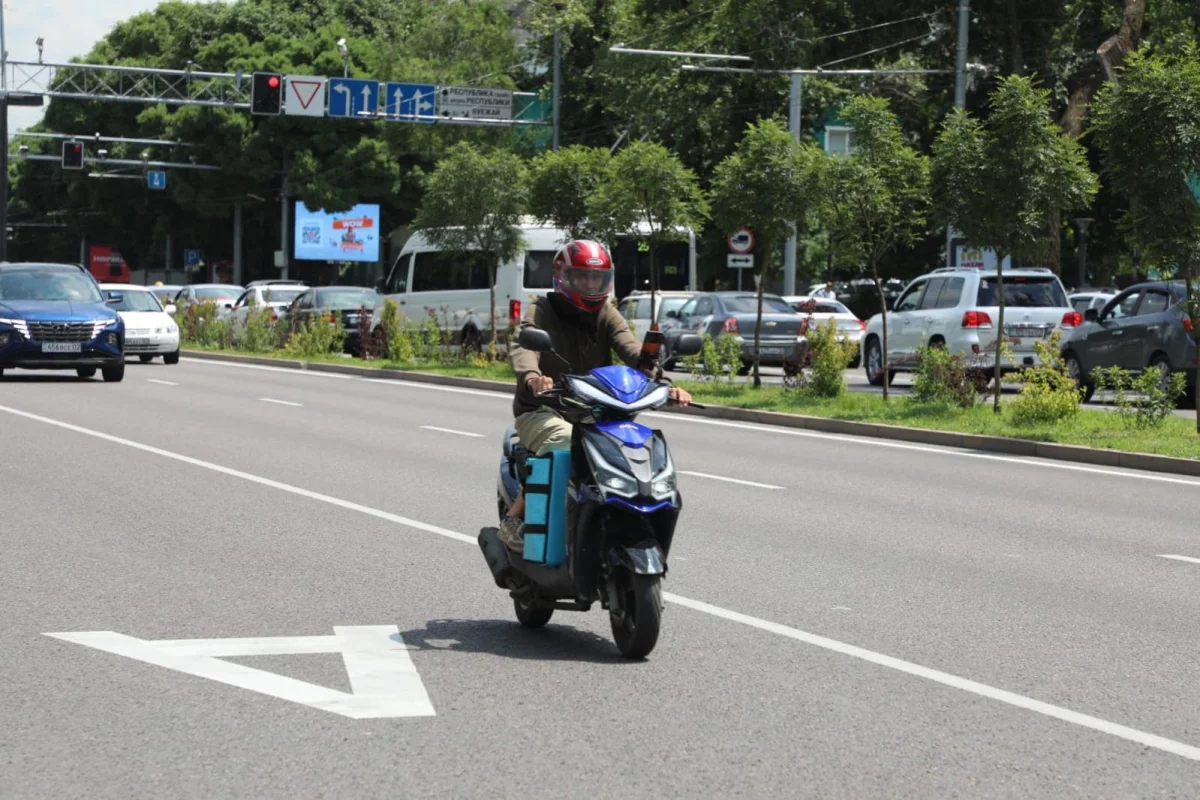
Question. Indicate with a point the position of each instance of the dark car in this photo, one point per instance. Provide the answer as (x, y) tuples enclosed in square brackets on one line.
[(736, 313), (346, 302), (1143, 326), (54, 316)]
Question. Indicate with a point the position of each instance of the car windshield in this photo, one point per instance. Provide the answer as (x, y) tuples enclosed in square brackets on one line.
[(218, 292), (48, 284), (135, 301), (748, 304), (670, 304), (1023, 291), (277, 295), (347, 298)]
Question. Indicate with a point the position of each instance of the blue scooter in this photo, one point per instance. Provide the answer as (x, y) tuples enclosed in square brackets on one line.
[(599, 517)]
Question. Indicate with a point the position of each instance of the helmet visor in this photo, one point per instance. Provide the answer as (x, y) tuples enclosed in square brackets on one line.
[(588, 282)]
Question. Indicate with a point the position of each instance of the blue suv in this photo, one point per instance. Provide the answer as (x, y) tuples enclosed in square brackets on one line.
[(53, 316)]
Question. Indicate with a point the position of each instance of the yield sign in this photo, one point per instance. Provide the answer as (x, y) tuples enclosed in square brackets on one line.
[(383, 680), (305, 96)]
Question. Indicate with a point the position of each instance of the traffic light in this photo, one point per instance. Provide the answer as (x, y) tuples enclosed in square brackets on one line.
[(72, 155), (266, 93)]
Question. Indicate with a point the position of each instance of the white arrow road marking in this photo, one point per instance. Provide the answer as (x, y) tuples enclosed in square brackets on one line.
[(160, 383), (383, 679), (451, 430), (281, 402)]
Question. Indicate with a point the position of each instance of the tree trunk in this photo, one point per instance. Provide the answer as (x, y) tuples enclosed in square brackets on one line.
[(1016, 54), (883, 354), (1000, 256), (1082, 88), (762, 283)]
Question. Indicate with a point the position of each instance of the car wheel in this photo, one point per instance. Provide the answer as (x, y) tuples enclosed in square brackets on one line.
[(171, 358), (145, 359), (1075, 373), (86, 372), (874, 366), (113, 374)]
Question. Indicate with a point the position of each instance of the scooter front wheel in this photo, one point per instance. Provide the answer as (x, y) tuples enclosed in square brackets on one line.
[(529, 615), (635, 626)]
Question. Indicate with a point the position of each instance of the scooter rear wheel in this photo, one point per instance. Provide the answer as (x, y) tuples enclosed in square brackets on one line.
[(635, 627), (530, 615)]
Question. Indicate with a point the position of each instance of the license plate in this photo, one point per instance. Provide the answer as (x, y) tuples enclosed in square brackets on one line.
[(62, 347), (137, 341), (772, 351)]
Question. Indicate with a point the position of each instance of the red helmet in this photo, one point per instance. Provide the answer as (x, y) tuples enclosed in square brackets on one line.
[(583, 273)]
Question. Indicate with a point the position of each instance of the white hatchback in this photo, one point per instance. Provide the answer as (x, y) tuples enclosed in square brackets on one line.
[(149, 329), (957, 308)]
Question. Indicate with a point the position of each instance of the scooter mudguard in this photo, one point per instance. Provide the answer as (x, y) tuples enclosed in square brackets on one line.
[(646, 560)]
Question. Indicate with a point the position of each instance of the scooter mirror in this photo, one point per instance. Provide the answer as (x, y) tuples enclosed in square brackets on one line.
[(535, 339), (688, 344)]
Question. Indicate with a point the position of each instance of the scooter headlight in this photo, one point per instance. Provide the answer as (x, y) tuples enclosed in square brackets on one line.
[(663, 486), (608, 476)]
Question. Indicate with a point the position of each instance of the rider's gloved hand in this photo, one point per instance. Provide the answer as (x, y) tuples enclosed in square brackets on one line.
[(538, 383)]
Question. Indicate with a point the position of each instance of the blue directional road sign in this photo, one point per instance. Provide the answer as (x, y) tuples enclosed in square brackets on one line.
[(351, 97), (156, 179), (410, 102), (191, 257)]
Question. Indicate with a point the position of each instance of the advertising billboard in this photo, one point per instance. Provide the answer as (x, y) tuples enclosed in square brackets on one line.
[(345, 236), (106, 265)]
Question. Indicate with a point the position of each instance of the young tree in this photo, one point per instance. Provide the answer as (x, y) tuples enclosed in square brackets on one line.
[(998, 180), (647, 184), (765, 184), (1148, 125), (561, 182), (473, 201), (876, 197)]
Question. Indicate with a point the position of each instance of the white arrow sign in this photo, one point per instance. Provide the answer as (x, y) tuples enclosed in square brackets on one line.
[(366, 93), (383, 680), (345, 90)]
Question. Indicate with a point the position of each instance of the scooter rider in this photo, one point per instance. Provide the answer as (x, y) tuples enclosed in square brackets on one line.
[(585, 329)]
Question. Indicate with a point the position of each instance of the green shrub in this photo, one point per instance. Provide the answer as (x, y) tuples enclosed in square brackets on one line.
[(317, 337), (828, 359), (260, 334), (397, 334), (1048, 394), (718, 358), (943, 377), (199, 325), (1145, 401)]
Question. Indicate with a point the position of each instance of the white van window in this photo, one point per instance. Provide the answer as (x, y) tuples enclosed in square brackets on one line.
[(539, 269), (397, 282), (440, 272)]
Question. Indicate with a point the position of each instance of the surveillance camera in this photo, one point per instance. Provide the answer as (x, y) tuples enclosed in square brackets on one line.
[(102, 153), (145, 155), (24, 149)]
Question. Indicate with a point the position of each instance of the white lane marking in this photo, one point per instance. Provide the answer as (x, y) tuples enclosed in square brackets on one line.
[(769, 429), (451, 430), (1188, 559), (334, 375), (161, 383), (246, 476), (384, 682), (281, 402), (728, 480), (946, 679), (944, 451)]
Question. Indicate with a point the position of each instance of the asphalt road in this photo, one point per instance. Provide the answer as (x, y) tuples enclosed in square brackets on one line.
[(846, 617)]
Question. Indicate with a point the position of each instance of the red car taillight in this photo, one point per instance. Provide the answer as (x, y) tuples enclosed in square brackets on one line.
[(514, 313), (1072, 319), (1187, 323), (731, 325), (976, 319)]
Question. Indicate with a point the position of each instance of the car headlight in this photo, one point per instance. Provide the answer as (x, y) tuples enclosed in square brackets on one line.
[(112, 338), (19, 324)]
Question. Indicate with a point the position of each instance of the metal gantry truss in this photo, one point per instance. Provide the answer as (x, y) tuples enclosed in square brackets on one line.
[(173, 87)]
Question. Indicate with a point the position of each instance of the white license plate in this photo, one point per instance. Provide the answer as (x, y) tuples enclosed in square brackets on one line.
[(137, 341), (62, 347), (772, 351)]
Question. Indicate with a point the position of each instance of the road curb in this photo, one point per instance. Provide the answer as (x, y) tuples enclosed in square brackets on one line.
[(968, 441)]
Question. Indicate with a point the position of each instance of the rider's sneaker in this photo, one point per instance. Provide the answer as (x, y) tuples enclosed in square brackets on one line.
[(512, 534)]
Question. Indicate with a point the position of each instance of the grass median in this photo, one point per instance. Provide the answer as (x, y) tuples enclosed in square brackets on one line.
[(1108, 431)]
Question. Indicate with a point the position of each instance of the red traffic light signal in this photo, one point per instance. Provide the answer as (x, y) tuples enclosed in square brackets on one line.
[(72, 155), (266, 93)]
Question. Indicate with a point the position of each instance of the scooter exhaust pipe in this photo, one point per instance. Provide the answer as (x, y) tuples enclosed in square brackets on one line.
[(496, 555)]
